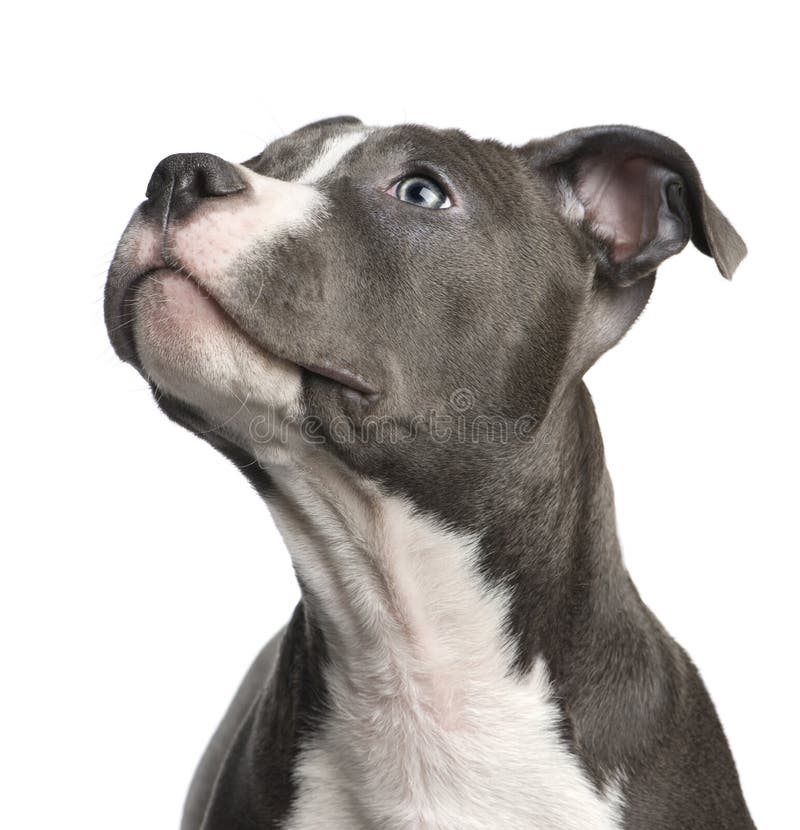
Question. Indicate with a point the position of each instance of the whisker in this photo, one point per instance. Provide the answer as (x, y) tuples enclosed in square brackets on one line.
[(258, 296)]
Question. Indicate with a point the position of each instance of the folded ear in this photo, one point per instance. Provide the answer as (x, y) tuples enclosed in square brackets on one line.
[(638, 197)]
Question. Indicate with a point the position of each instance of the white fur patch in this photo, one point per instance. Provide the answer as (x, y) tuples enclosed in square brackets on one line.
[(571, 205), (427, 727), (333, 151), (190, 348), (208, 244)]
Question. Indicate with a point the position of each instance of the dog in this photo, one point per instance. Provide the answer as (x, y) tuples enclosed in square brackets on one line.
[(387, 330)]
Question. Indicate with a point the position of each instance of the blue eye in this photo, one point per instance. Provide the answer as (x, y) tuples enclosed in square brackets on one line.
[(422, 192)]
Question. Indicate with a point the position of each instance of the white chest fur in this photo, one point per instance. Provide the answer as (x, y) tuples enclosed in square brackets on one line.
[(428, 729)]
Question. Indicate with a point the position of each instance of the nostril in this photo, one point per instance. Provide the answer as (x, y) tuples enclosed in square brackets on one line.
[(156, 185), (219, 179), (183, 179)]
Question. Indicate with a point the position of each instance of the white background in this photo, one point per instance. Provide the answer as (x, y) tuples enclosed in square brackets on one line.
[(140, 574)]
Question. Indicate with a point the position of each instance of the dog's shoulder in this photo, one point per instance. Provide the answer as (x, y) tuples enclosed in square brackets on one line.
[(256, 679)]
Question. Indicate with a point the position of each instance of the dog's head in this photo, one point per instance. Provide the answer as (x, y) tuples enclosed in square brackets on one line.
[(352, 288)]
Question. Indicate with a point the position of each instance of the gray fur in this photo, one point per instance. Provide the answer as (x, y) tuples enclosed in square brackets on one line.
[(510, 298)]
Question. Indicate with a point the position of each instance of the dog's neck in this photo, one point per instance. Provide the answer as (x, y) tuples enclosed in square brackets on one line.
[(542, 561), (452, 649)]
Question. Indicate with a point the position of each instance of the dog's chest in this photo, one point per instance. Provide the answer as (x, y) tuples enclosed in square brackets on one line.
[(485, 755), (426, 726)]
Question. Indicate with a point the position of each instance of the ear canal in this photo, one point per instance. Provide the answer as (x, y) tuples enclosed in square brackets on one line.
[(637, 208), (639, 198)]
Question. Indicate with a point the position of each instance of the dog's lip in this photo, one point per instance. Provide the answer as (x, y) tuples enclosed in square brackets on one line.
[(343, 377), (351, 381)]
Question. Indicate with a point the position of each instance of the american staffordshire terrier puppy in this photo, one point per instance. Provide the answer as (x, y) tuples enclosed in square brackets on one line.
[(386, 329)]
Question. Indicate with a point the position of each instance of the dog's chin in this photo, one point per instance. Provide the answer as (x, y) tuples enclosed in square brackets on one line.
[(190, 349)]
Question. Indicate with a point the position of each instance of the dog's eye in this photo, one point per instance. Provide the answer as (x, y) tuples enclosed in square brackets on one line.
[(421, 191)]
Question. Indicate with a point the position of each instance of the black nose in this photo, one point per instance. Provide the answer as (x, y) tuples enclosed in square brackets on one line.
[(180, 182)]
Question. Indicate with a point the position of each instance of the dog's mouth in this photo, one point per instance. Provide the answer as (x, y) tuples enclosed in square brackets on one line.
[(191, 309)]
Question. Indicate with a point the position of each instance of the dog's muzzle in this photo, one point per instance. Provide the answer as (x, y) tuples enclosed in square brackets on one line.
[(180, 183)]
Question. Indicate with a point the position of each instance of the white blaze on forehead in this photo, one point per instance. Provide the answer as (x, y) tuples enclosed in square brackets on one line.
[(333, 151)]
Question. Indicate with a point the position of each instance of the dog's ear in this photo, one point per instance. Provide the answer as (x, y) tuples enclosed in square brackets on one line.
[(638, 197)]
